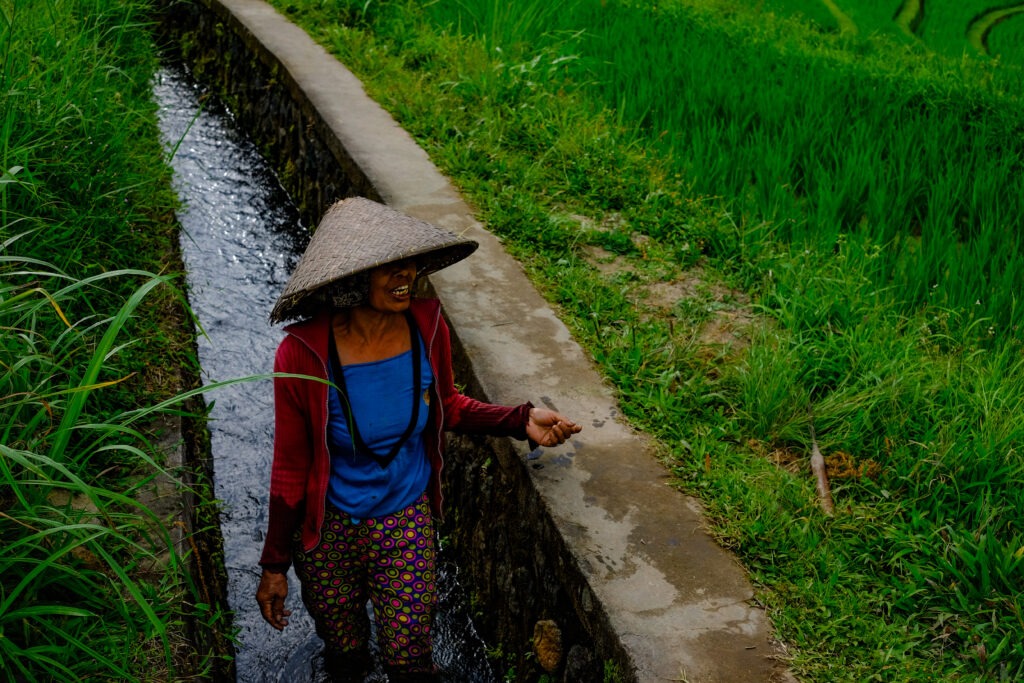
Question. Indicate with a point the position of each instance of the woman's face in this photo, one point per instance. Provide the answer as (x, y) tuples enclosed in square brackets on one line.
[(391, 286)]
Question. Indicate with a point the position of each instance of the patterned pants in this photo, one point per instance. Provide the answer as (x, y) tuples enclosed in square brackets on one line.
[(388, 560)]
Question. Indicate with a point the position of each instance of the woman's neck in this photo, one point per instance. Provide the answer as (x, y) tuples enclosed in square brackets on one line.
[(364, 334)]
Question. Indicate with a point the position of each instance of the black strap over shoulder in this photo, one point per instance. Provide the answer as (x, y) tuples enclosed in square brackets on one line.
[(358, 445)]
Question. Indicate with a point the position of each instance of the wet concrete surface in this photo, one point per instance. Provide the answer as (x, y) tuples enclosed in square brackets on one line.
[(241, 239)]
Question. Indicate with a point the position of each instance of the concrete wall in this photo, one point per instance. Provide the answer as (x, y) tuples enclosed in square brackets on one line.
[(588, 537)]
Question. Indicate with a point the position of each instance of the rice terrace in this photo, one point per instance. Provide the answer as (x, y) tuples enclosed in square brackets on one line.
[(780, 229), (946, 27)]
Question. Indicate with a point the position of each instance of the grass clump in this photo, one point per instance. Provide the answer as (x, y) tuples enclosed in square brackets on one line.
[(92, 582), (86, 591), (749, 221)]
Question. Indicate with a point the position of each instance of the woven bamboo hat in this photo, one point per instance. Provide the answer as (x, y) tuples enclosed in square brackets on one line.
[(355, 236)]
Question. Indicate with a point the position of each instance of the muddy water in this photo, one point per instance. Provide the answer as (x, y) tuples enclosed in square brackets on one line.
[(241, 239)]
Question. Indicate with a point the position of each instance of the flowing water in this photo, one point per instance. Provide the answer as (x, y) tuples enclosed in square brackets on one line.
[(241, 239)]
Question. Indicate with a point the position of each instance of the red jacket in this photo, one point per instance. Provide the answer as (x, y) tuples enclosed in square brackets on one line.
[(301, 469)]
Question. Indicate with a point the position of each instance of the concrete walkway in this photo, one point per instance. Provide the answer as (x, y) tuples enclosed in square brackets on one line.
[(680, 605)]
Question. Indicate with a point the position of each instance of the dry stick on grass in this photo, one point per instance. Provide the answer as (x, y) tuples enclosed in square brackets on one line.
[(821, 477)]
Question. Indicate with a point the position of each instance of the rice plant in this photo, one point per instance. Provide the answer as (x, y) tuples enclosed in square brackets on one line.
[(789, 136)]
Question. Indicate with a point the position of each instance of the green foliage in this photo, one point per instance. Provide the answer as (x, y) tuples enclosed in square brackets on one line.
[(72, 603), (800, 134), (91, 583), (612, 673)]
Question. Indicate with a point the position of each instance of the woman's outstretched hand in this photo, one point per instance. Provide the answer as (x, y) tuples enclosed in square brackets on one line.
[(270, 596), (548, 428)]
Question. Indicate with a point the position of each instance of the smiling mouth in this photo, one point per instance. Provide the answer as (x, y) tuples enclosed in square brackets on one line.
[(401, 291)]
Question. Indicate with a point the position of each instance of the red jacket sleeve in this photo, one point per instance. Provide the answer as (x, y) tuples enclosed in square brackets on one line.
[(465, 414), (293, 455)]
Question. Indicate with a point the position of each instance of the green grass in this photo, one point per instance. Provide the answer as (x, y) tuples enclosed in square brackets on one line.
[(72, 604), (818, 14), (92, 342), (927, 167), (833, 198)]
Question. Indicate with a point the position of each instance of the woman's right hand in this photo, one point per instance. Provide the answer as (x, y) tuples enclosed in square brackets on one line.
[(271, 595), (548, 428)]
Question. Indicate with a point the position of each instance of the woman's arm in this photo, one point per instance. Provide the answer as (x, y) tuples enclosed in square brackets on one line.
[(541, 426), (293, 457)]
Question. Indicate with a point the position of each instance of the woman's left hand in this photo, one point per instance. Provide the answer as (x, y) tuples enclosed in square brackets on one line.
[(270, 595), (548, 428)]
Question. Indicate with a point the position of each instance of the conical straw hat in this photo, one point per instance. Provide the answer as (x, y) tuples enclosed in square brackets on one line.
[(355, 236)]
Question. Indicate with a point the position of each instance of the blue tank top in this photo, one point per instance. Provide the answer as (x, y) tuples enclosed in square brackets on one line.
[(366, 485)]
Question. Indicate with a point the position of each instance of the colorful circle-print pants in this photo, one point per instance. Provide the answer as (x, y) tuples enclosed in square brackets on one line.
[(389, 561)]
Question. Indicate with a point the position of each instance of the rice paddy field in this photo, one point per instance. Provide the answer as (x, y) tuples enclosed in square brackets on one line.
[(952, 28), (759, 218)]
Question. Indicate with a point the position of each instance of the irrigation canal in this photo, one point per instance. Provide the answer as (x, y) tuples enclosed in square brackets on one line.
[(241, 239)]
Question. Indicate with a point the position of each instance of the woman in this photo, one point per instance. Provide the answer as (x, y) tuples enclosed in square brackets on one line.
[(356, 476)]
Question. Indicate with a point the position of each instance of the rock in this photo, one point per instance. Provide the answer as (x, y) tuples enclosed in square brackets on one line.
[(547, 644), (579, 666)]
